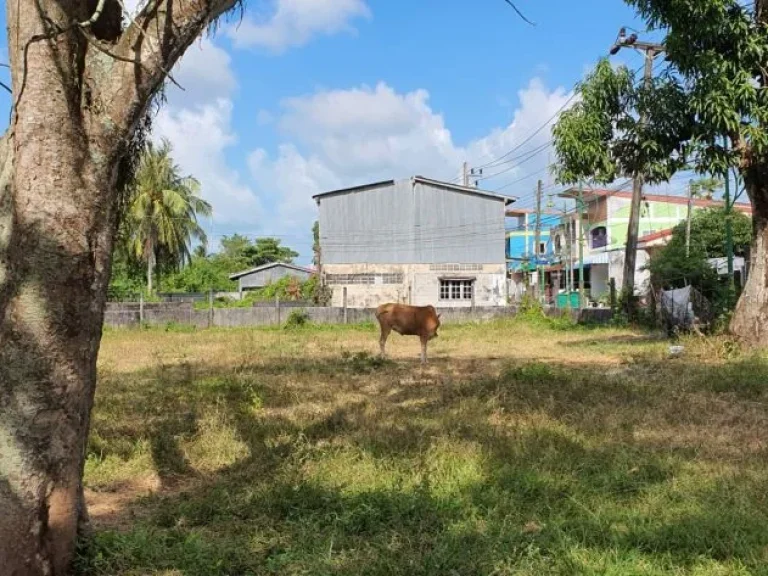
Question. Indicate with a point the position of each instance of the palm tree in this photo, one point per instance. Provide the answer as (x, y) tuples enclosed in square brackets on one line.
[(163, 209)]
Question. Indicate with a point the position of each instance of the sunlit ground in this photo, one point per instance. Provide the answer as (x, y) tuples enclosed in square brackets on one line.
[(522, 448)]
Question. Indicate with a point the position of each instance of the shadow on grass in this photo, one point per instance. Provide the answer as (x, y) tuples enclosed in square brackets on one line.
[(354, 465)]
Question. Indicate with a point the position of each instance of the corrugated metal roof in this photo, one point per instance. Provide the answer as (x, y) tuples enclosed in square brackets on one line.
[(421, 179), (267, 267)]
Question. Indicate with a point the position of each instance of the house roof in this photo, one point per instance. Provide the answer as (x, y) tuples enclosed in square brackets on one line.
[(422, 180), (523, 211), (664, 198), (656, 235), (267, 267)]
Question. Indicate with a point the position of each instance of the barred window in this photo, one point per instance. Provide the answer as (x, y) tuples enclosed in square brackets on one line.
[(456, 267), (364, 278), (456, 289)]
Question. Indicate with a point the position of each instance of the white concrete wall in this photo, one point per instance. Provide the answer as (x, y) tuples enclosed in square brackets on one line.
[(420, 285), (600, 280), (616, 270)]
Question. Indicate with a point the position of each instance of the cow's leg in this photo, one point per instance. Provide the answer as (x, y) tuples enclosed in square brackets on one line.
[(385, 330), (424, 349)]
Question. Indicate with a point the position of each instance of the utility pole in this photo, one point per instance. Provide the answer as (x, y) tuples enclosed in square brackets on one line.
[(651, 50), (729, 229), (688, 221), (474, 172), (567, 259), (465, 174), (581, 246), (537, 242)]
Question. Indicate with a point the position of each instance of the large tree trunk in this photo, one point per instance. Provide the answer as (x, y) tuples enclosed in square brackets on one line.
[(79, 92), (750, 320), (57, 204), (56, 272)]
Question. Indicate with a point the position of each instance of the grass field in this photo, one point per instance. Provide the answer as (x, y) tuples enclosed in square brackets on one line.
[(520, 449)]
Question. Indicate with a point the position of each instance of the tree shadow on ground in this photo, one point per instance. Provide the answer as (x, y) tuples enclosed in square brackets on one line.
[(354, 465)]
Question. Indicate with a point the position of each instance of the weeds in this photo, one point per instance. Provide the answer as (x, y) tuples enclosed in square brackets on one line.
[(522, 448), (296, 319)]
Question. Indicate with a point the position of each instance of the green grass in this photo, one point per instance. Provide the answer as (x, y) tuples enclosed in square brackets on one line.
[(523, 448)]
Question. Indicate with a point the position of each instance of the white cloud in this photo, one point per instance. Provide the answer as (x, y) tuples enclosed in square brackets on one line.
[(367, 133), (198, 123), (200, 138), (341, 138), (205, 73), (330, 139), (293, 179), (295, 22)]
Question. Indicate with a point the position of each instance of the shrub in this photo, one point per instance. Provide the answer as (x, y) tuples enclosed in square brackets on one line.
[(297, 319)]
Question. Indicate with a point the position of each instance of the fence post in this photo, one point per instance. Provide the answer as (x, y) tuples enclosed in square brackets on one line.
[(344, 303), (141, 309), (277, 307), (210, 308), (613, 294)]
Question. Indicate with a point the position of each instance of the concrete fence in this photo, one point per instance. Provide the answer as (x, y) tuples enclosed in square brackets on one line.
[(126, 315)]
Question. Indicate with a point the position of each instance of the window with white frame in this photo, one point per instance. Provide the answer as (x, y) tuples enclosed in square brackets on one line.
[(455, 289)]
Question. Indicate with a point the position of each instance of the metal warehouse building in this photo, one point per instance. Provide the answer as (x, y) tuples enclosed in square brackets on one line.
[(416, 241)]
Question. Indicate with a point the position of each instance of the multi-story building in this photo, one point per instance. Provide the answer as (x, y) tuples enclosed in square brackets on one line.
[(603, 222), (523, 254), (417, 241)]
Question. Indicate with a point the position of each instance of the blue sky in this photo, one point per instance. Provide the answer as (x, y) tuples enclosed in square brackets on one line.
[(308, 95)]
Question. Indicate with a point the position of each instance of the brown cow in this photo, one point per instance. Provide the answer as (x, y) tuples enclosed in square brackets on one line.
[(421, 321)]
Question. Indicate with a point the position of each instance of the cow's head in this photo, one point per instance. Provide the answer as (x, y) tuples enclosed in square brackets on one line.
[(435, 324)]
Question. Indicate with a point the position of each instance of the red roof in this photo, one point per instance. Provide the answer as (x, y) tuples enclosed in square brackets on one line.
[(656, 235)]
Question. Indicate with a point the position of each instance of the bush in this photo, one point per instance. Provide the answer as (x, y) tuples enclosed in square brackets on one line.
[(297, 319)]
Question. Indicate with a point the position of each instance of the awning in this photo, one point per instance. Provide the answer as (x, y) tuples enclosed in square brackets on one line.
[(599, 258), (458, 278)]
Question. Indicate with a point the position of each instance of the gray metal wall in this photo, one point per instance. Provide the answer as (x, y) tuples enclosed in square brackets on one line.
[(264, 277), (411, 224)]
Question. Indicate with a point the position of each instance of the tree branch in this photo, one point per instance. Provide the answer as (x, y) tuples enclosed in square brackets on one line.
[(96, 44), (95, 15), (150, 47)]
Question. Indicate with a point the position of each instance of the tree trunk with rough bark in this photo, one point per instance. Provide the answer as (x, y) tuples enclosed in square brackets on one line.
[(750, 320), (80, 91)]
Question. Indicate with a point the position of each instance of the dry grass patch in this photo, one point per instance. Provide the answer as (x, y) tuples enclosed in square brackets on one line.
[(522, 448)]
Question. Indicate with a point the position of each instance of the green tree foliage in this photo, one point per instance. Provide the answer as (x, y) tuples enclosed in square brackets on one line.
[(203, 274), (268, 250), (249, 253), (670, 268), (709, 110), (601, 137), (233, 247), (237, 253), (316, 243), (160, 219), (708, 232)]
